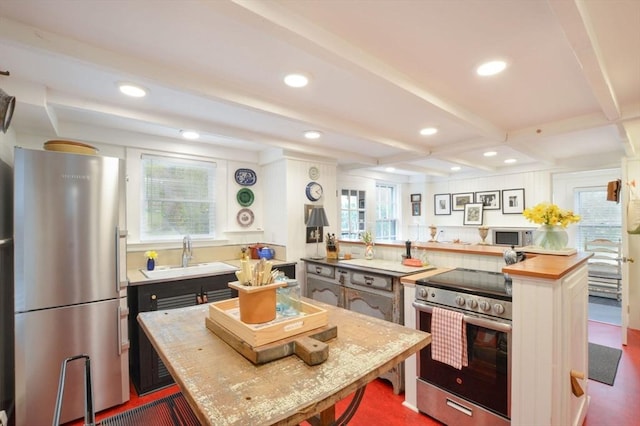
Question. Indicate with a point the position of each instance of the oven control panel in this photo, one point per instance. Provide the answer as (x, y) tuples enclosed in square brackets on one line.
[(464, 301)]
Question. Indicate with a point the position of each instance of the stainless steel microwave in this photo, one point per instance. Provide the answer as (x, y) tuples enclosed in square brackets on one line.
[(517, 237)]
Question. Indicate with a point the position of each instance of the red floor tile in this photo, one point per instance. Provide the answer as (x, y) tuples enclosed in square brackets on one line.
[(610, 405), (617, 404)]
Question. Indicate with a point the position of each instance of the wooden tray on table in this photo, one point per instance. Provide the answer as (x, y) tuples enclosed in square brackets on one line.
[(303, 334)]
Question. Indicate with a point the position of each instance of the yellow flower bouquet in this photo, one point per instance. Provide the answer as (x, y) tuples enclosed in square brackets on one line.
[(151, 254), (551, 234), (550, 214)]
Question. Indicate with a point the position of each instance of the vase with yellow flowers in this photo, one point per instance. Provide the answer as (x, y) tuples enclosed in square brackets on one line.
[(367, 239), (151, 256), (553, 221)]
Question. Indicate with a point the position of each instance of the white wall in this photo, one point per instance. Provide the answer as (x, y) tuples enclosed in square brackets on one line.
[(297, 180), (537, 188)]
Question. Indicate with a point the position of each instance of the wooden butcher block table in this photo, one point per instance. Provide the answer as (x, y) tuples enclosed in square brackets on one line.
[(224, 388)]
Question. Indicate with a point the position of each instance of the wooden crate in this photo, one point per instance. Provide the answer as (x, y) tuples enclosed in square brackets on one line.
[(227, 314)]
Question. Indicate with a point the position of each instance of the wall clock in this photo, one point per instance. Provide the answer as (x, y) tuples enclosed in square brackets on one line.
[(314, 191), (314, 173)]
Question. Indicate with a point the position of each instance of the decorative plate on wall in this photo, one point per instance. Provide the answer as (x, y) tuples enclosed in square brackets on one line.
[(245, 177), (245, 217), (314, 173), (245, 197)]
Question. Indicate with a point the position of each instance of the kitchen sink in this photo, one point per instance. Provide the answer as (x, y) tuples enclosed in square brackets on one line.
[(197, 269)]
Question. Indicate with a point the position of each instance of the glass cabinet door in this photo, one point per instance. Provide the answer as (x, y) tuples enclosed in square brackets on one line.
[(352, 213)]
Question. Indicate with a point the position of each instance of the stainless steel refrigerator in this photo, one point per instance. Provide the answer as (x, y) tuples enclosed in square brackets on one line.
[(6, 289), (70, 282)]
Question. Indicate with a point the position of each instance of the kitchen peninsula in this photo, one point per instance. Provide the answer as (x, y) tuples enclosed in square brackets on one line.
[(549, 326)]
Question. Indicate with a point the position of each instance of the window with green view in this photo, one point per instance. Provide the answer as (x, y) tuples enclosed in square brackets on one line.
[(178, 198)]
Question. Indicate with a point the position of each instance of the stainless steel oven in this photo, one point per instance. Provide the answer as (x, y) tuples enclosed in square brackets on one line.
[(478, 394)]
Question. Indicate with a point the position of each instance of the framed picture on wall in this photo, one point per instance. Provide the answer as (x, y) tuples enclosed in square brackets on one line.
[(513, 201), (416, 198), (311, 231), (459, 200), (472, 214), (442, 204), (490, 199), (415, 209)]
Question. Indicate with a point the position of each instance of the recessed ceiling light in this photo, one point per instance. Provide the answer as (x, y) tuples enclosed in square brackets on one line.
[(490, 154), (455, 168), (312, 134), (510, 160), (428, 131), (190, 134), (390, 169), (296, 80), (132, 90), (491, 68)]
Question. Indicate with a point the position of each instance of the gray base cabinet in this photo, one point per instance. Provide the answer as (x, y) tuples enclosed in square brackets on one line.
[(371, 293)]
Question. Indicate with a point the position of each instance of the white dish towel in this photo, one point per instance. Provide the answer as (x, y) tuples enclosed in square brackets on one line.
[(449, 338)]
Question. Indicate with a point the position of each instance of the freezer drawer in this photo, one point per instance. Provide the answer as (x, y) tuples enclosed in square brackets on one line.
[(45, 338)]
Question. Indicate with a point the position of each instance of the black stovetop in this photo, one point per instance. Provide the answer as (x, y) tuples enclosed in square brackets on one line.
[(490, 284)]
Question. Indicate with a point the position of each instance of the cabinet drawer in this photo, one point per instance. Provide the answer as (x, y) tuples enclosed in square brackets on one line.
[(322, 270), (370, 304), (372, 280), (324, 291)]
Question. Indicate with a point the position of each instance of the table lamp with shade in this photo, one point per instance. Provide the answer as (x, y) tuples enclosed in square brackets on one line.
[(317, 219)]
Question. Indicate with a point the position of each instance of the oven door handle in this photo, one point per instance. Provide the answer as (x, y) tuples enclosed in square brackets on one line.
[(480, 322)]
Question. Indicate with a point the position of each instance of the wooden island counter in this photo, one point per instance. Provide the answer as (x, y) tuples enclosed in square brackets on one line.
[(224, 388)]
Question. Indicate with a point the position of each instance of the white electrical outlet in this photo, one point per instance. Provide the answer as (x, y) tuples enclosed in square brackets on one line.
[(4, 421)]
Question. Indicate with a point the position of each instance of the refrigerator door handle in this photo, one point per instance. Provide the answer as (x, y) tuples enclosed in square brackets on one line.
[(117, 260), (123, 313)]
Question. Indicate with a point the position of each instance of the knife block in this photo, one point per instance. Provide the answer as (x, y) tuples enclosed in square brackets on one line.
[(333, 250)]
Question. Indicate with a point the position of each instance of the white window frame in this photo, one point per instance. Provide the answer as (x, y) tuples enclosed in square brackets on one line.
[(580, 241), (383, 223), (209, 167), (134, 175)]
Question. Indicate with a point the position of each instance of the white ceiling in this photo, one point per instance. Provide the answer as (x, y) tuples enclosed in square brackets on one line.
[(380, 71)]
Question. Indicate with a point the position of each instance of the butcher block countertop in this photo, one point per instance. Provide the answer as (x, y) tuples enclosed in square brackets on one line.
[(387, 267), (224, 388), (538, 266), (545, 266), (410, 280)]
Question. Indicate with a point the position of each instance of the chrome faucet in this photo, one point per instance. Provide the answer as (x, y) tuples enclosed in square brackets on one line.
[(187, 251)]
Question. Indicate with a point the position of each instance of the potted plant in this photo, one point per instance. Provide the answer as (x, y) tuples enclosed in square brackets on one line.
[(367, 239)]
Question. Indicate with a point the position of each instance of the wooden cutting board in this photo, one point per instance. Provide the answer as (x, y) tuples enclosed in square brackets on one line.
[(309, 346)]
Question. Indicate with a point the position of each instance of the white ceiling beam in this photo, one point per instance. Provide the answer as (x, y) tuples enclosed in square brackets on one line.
[(403, 157), (336, 47), (631, 131), (577, 27), (461, 162), (203, 85), (421, 170)]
